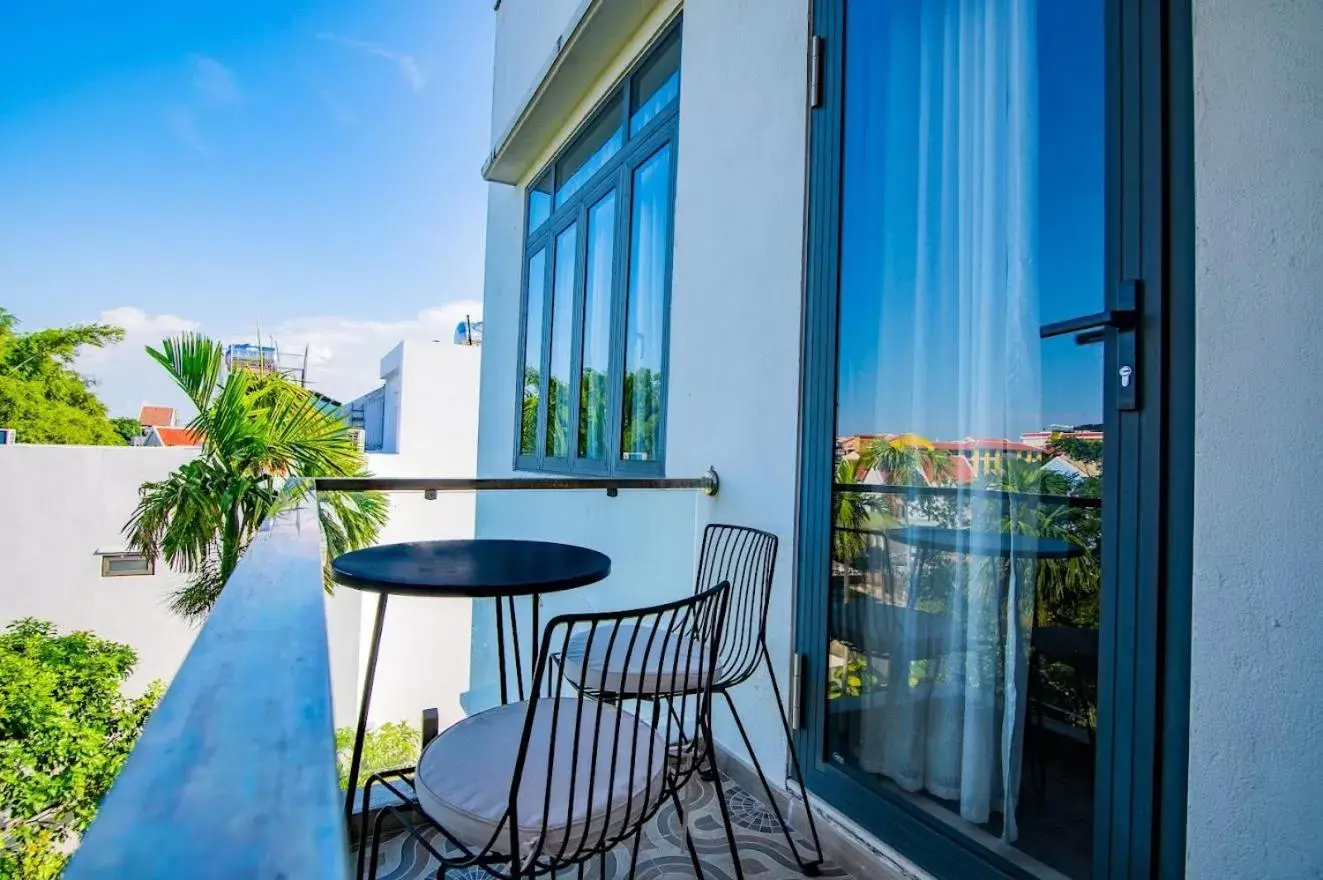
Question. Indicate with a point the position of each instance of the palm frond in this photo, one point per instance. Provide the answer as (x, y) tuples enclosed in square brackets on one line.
[(176, 518), (194, 600), (260, 433), (194, 362)]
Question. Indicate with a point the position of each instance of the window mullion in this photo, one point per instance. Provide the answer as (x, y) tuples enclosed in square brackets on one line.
[(544, 370), (626, 90), (619, 288), (576, 332)]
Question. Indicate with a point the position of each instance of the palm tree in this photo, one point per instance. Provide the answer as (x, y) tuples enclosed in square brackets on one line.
[(1067, 588), (852, 515), (257, 431), (907, 460)]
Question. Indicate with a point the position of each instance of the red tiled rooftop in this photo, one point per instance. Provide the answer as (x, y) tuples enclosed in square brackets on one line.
[(178, 437), (157, 416)]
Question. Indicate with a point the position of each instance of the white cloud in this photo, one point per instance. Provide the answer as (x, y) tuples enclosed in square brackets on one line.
[(126, 376), (214, 81), (343, 354), (214, 85), (183, 124), (404, 62)]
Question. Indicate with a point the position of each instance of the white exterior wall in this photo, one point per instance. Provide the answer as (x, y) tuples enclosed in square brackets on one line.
[(424, 659), (527, 31), (58, 506), (734, 381), (1256, 740)]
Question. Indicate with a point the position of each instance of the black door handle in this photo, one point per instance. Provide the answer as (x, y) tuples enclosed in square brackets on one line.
[(1123, 322), (1120, 319)]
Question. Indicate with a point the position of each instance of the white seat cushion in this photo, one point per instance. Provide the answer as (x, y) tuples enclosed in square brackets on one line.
[(657, 662), (464, 776)]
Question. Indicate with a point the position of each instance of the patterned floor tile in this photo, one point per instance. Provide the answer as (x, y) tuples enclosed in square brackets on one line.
[(662, 855)]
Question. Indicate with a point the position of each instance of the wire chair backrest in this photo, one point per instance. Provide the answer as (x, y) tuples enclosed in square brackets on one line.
[(590, 772), (746, 559)]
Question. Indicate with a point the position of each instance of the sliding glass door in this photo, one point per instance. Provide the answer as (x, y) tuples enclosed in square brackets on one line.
[(973, 348)]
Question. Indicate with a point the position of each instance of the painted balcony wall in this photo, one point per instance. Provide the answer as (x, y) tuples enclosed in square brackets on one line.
[(1255, 750), (735, 326)]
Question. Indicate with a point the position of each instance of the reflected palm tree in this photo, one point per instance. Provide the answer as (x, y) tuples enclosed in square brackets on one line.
[(528, 415), (852, 514), (1067, 589), (907, 460)]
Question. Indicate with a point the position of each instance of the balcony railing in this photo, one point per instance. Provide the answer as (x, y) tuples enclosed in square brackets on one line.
[(235, 772), (234, 775)]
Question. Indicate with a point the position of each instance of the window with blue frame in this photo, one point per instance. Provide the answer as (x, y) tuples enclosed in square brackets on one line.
[(596, 292)]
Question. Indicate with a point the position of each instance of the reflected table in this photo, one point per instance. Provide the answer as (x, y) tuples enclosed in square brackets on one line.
[(503, 570), (1011, 547), (1006, 545)]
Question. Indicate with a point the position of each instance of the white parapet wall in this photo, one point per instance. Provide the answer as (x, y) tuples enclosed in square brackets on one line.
[(59, 505), (432, 430)]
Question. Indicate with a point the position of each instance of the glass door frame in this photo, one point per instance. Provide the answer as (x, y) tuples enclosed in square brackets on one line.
[(1141, 770)]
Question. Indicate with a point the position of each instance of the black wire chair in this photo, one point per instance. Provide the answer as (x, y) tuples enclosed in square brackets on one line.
[(746, 559), (531, 788)]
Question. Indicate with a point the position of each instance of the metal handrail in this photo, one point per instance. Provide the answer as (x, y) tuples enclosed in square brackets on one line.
[(709, 484), (963, 492)]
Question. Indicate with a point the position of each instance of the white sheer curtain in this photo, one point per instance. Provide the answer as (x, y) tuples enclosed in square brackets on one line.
[(954, 126)]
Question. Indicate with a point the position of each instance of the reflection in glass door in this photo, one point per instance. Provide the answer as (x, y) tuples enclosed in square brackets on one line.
[(965, 590)]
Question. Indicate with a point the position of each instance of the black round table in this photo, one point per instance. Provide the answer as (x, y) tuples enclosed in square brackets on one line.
[(479, 569)]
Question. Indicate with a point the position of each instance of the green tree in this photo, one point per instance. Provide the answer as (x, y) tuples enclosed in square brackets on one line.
[(528, 414), (128, 428), (1067, 589), (65, 732), (258, 431), (389, 747), (41, 396), (641, 432), (852, 514), (907, 460)]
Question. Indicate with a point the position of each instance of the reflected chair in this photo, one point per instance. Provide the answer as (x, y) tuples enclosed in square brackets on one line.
[(746, 559), (531, 788)]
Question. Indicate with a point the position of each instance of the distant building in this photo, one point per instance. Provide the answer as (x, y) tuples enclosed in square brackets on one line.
[(1041, 439), (164, 435), (970, 457), (151, 416)]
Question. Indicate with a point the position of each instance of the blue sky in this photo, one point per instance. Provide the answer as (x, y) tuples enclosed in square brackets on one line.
[(309, 168), (891, 380)]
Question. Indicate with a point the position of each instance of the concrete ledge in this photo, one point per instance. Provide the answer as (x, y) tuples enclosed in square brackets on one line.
[(585, 50)]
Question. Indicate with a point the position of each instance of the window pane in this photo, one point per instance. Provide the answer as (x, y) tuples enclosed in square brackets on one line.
[(539, 203), (596, 329), (649, 251), (537, 280), (656, 85), (126, 564), (562, 312), (594, 148)]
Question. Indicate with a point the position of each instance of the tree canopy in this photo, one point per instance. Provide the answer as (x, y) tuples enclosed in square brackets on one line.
[(41, 396), (65, 732)]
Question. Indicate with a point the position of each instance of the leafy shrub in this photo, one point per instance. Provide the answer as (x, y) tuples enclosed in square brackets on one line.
[(388, 747), (65, 732)]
